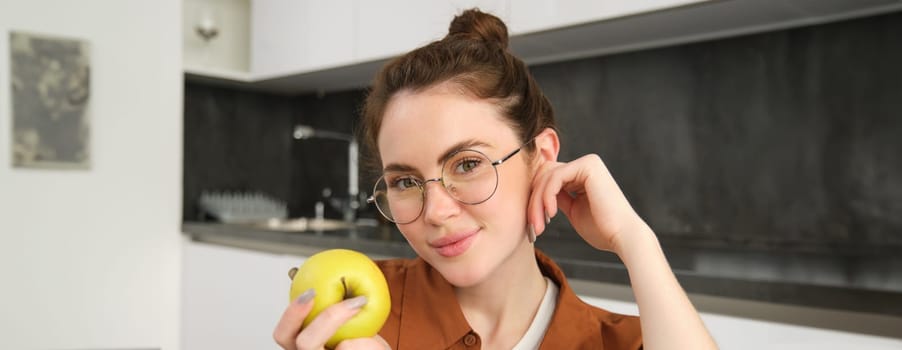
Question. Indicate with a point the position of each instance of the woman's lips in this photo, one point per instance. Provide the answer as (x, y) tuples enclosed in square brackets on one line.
[(453, 245)]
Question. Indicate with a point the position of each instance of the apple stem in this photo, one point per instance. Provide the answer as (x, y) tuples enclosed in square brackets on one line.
[(347, 291)]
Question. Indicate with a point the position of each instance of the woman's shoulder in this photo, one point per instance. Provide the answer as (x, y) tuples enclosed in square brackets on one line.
[(577, 324), (580, 325)]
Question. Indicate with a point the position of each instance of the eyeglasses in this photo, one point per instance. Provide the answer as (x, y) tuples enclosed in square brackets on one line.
[(468, 175)]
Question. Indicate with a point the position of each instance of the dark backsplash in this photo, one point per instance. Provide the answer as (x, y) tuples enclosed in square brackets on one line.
[(787, 137), (235, 140)]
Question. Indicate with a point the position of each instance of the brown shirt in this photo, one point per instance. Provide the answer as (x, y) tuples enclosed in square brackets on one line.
[(425, 313)]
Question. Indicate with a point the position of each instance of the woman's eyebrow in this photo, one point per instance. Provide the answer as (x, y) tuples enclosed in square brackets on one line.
[(397, 167), (404, 168), (457, 147)]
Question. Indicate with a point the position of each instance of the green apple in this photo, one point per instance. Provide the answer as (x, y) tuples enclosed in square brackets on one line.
[(339, 274)]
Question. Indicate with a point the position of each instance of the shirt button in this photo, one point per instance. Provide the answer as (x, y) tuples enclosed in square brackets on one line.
[(470, 339)]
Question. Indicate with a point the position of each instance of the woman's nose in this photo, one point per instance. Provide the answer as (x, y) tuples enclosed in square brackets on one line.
[(438, 205)]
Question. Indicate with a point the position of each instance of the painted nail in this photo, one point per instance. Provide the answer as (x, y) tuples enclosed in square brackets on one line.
[(306, 296), (356, 302), (532, 234)]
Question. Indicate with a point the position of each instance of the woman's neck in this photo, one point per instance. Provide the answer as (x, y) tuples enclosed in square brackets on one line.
[(501, 308)]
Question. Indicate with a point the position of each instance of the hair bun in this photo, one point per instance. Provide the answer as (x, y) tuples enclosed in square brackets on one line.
[(477, 25)]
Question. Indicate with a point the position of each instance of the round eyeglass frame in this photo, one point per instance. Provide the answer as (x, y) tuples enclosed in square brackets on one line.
[(422, 185)]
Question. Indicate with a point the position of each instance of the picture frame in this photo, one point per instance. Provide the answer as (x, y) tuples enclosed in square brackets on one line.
[(50, 101)]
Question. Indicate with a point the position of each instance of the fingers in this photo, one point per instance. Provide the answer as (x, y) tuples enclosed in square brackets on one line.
[(315, 335), (543, 203), (552, 186), (564, 201), (290, 324), (289, 335)]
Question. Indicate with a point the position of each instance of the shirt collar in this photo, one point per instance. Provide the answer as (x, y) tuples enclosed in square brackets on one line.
[(443, 324), (572, 324)]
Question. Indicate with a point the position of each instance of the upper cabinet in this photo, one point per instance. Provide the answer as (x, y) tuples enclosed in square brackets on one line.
[(528, 16), (290, 37), (215, 37), (388, 28), (295, 46)]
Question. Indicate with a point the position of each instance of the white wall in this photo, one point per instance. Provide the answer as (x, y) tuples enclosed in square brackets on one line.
[(90, 259), (234, 297)]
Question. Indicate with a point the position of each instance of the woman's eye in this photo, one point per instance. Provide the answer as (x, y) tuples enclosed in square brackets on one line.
[(467, 165), (403, 183)]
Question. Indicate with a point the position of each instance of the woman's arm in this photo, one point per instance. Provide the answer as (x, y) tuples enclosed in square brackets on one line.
[(587, 194), (668, 319)]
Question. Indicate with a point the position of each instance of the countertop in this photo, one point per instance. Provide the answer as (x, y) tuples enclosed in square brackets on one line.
[(861, 282)]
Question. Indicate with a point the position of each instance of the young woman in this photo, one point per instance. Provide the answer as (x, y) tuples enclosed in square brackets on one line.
[(467, 146)]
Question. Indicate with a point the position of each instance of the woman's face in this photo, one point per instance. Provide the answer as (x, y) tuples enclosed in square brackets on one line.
[(465, 243)]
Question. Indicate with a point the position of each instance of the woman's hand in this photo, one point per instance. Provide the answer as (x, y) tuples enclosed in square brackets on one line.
[(587, 194), (585, 191), (289, 335)]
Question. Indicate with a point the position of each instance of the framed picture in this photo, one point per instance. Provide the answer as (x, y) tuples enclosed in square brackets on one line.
[(50, 87)]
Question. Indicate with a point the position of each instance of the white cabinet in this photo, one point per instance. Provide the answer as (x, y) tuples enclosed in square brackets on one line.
[(527, 16), (269, 39), (227, 50), (290, 37), (232, 298), (330, 34), (300, 46), (384, 28), (389, 28), (276, 40)]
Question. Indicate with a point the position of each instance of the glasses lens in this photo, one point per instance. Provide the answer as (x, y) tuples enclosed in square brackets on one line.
[(470, 177), (399, 197)]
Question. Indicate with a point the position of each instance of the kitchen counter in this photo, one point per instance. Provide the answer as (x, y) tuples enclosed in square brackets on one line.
[(866, 284)]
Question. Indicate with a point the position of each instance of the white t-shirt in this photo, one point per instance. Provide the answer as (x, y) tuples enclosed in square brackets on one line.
[(536, 331)]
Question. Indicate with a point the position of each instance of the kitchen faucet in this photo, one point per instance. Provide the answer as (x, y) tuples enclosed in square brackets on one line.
[(349, 207)]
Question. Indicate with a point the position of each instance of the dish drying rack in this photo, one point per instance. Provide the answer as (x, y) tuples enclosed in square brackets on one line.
[(241, 207)]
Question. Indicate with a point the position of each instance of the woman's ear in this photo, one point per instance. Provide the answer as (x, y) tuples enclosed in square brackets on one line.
[(547, 146)]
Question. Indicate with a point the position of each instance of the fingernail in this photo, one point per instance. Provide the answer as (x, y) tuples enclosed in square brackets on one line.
[(547, 219), (306, 296), (532, 234), (356, 302)]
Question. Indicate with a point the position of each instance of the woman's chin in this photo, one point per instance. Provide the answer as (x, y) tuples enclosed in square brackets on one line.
[(463, 275), (463, 279)]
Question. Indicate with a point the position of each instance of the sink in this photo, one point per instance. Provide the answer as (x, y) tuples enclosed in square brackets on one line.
[(305, 224)]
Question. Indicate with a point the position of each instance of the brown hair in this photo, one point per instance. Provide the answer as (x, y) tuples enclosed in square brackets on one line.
[(473, 56)]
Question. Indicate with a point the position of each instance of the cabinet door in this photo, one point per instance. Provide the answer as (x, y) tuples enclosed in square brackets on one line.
[(290, 36), (389, 28), (277, 40), (232, 298), (229, 50), (329, 30), (536, 15), (294, 36)]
